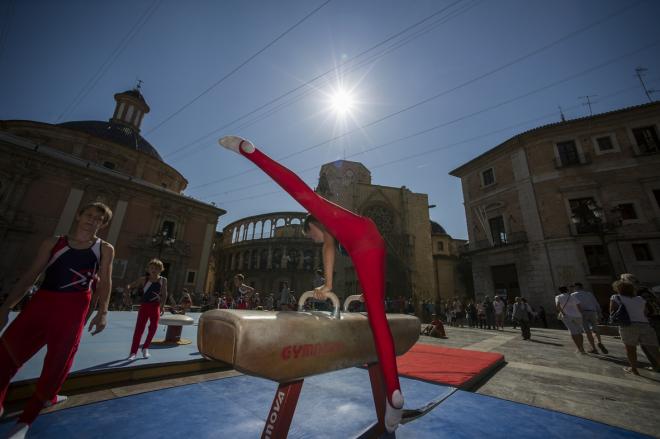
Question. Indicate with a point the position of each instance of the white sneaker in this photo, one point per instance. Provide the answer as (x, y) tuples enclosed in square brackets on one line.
[(237, 144), (58, 399), (393, 413), (19, 431), (131, 357), (145, 353)]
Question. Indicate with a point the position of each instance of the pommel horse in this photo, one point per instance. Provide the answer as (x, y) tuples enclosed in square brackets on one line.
[(289, 346)]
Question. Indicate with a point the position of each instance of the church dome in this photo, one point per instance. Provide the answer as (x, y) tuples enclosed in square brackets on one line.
[(114, 132)]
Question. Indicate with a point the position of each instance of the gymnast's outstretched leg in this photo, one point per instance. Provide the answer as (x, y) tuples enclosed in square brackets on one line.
[(365, 246)]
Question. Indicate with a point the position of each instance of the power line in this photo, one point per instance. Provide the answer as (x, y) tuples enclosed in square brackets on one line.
[(316, 78), (237, 68), (410, 136), (440, 94), (105, 66), (415, 155), (367, 61)]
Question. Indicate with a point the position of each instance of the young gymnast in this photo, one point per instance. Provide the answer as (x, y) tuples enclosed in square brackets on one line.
[(55, 316), (152, 306), (329, 223)]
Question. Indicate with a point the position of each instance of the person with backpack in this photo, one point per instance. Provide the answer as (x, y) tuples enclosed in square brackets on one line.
[(629, 313)]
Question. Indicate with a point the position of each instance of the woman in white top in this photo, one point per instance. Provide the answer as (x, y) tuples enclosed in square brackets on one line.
[(639, 331)]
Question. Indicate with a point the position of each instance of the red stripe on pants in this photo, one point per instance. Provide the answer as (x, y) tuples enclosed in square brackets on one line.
[(150, 311), (55, 320)]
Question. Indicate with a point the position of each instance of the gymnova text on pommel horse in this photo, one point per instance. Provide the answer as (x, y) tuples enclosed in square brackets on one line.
[(289, 346)]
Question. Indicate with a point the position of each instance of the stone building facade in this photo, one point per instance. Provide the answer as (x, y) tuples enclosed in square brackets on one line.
[(452, 271), (402, 217), (269, 250), (577, 200), (47, 171)]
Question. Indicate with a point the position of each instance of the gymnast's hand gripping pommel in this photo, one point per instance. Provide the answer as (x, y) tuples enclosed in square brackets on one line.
[(364, 244)]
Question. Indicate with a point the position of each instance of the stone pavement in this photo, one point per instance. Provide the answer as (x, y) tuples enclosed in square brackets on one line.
[(546, 372)]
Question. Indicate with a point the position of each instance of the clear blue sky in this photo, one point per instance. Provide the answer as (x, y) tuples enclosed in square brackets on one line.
[(54, 52)]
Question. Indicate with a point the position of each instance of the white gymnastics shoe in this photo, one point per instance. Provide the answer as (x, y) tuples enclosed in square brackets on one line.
[(58, 399), (237, 144), (19, 431), (131, 357), (145, 353), (393, 412)]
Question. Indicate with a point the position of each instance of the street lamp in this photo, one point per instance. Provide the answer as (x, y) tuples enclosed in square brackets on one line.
[(161, 240)]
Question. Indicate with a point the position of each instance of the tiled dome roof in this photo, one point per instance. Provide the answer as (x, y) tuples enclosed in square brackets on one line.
[(113, 132)]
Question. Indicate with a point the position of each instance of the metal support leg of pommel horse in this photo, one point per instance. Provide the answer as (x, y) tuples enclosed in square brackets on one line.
[(282, 410), (286, 398), (378, 392)]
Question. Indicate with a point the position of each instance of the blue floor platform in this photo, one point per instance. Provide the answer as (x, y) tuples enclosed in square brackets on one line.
[(109, 349), (334, 405)]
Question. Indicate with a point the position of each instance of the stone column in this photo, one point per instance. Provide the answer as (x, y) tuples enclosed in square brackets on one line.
[(69, 212), (117, 221), (203, 270)]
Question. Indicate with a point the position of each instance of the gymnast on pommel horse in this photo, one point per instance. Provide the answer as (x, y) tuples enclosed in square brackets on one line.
[(329, 223)]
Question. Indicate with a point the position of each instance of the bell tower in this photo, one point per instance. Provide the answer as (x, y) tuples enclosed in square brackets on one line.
[(130, 109)]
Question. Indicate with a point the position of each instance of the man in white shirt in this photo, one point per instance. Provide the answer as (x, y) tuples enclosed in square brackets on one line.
[(591, 315), (569, 312)]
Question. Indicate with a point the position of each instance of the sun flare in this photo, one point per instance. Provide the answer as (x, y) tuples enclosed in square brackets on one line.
[(342, 102)]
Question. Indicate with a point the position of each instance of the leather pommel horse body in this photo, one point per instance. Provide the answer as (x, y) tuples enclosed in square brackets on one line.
[(288, 346)]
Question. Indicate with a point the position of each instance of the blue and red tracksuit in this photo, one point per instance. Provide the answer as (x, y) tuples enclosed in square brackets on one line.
[(149, 310), (55, 317)]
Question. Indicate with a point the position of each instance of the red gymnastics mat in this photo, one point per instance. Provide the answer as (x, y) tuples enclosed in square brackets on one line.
[(460, 368)]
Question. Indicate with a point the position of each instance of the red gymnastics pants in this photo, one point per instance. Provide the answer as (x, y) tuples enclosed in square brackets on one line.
[(53, 319), (361, 239), (151, 311)]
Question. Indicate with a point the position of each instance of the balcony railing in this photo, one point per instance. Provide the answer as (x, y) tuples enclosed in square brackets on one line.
[(509, 239), (578, 160)]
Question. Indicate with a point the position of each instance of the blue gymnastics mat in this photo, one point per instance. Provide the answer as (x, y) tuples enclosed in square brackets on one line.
[(334, 405)]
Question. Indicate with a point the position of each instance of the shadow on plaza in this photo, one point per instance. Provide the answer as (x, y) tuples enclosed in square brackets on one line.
[(110, 364), (533, 340)]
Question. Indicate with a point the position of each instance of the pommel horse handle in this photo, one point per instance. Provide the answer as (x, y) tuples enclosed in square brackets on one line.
[(332, 296), (353, 298)]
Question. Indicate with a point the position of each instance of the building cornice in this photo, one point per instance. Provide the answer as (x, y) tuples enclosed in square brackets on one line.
[(46, 154)]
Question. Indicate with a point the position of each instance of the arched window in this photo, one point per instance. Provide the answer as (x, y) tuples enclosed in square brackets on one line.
[(277, 258), (383, 218), (263, 259), (265, 233), (254, 258), (168, 229), (292, 258), (241, 233), (308, 260), (250, 232)]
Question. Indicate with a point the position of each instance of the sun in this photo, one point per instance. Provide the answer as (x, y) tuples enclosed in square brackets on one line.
[(342, 102)]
